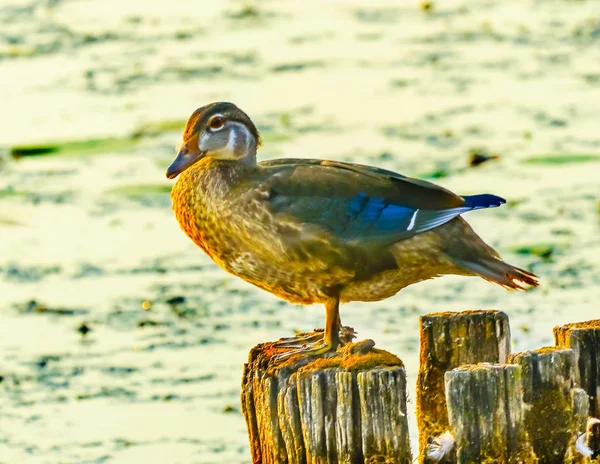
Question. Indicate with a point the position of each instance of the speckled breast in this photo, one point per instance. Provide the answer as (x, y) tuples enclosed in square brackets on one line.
[(207, 218)]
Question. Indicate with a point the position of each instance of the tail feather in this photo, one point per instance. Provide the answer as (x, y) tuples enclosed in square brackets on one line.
[(497, 271), (484, 200)]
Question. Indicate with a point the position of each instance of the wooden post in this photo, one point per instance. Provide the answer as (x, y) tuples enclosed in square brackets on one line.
[(584, 339), (348, 407), (449, 340), (486, 414), (557, 411)]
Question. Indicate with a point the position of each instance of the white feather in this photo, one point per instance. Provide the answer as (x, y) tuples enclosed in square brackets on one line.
[(440, 446), (412, 220), (581, 447)]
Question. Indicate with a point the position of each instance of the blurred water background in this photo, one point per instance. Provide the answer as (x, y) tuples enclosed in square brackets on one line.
[(120, 341)]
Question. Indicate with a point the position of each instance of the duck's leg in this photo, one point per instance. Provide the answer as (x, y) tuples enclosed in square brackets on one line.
[(329, 341), (333, 324)]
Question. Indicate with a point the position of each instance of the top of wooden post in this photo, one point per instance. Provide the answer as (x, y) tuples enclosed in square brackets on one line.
[(462, 314), (350, 357), (562, 332)]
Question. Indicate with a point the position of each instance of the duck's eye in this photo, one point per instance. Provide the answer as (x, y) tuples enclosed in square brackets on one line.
[(216, 122)]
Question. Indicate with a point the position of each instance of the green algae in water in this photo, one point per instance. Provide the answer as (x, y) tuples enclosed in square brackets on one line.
[(11, 192), (541, 250), (99, 145), (74, 147), (436, 174), (249, 12), (569, 158), (160, 127), (8, 222), (148, 195), (269, 136), (246, 12), (140, 190), (295, 67)]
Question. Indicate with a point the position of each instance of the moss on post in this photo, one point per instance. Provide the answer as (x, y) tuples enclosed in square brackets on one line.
[(486, 414), (344, 408), (584, 339), (449, 340), (556, 414)]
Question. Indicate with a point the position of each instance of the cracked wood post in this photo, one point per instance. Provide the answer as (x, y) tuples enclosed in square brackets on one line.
[(486, 414), (584, 339), (348, 407), (449, 340), (557, 409)]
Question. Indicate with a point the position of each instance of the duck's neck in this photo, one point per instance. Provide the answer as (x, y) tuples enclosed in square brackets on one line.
[(200, 198), (212, 179)]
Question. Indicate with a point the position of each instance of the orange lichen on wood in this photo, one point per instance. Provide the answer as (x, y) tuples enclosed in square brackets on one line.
[(544, 350), (591, 324), (562, 332), (461, 314), (356, 362), (350, 357)]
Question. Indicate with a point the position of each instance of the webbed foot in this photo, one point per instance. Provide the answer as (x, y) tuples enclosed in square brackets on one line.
[(300, 340), (321, 341), (317, 347)]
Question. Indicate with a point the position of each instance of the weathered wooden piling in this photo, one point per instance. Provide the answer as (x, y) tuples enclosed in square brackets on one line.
[(584, 339), (557, 410), (449, 340), (348, 407), (486, 414)]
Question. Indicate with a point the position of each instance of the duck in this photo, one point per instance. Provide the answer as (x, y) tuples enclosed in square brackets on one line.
[(319, 231)]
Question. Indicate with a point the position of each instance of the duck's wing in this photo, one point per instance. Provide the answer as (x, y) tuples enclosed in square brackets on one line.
[(360, 203)]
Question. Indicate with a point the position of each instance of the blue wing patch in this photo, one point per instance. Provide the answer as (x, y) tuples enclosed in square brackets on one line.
[(374, 214), (377, 213)]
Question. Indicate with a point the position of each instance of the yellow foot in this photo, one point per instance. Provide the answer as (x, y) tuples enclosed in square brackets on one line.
[(313, 344), (346, 334), (319, 343), (299, 341), (315, 348)]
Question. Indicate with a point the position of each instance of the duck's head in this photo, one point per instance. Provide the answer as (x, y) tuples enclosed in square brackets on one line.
[(220, 131)]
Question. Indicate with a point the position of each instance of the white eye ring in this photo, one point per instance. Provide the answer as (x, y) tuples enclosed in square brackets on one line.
[(216, 122)]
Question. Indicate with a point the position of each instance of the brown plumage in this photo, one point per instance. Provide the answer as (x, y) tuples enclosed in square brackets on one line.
[(314, 231)]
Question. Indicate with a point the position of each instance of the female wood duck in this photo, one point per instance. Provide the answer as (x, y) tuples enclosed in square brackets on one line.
[(317, 231)]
